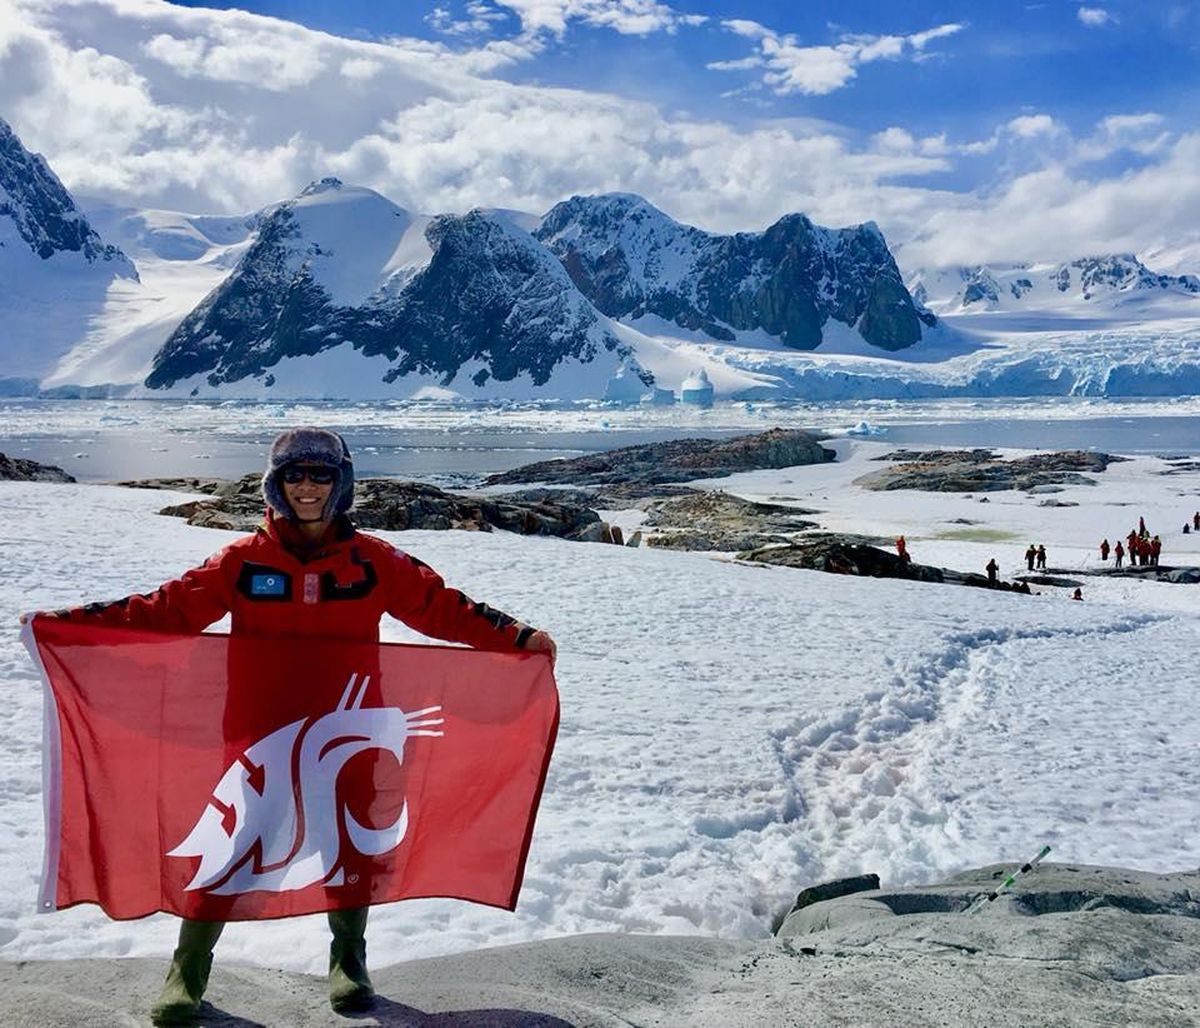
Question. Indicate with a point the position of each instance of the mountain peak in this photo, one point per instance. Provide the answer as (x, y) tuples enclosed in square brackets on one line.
[(43, 212), (325, 185)]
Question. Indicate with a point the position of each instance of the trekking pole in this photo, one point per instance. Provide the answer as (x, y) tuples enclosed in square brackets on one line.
[(1005, 885)]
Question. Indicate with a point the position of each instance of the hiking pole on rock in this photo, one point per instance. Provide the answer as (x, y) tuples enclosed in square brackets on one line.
[(1005, 885)]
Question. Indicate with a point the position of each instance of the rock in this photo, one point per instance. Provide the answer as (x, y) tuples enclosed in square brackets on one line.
[(1156, 572), (842, 555), (859, 555), (17, 469), (835, 890), (1052, 580), (398, 506), (718, 521), (966, 471), (677, 460), (247, 485), (1049, 889)]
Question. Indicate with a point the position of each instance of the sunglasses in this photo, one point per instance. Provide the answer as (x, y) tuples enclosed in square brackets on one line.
[(294, 474)]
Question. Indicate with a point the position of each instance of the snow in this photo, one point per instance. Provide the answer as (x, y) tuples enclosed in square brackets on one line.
[(362, 240), (729, 733)]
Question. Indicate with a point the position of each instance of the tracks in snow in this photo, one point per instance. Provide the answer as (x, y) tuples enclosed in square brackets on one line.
[(865, 773)]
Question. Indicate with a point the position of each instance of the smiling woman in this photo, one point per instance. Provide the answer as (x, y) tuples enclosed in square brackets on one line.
[(307, 573)]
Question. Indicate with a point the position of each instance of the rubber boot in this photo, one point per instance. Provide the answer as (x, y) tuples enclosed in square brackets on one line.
[(349, 985), (179, 1001)]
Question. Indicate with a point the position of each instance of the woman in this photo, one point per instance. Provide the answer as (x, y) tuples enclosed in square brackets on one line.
[(305, 573)]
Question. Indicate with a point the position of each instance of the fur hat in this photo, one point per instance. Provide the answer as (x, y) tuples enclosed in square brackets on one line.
[(310, 445)]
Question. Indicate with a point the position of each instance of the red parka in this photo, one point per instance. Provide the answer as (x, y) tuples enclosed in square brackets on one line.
[(273, 585)]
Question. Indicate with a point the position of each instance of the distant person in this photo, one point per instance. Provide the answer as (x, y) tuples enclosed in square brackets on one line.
[(1041, 558), (902, 549), (1119, 553), (1142, 527), (1186, 528), (1196, 521), (1155, 550), (1077, 594), (1104, 548), (1135, 550), (1030, 556), (992, 568)]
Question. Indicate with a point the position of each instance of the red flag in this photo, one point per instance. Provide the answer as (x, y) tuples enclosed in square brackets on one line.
[(236, 778)]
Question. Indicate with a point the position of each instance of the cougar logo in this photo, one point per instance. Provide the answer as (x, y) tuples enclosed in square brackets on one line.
[(273, 820)]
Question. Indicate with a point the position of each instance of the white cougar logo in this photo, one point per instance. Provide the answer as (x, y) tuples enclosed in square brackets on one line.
[(272, 821)]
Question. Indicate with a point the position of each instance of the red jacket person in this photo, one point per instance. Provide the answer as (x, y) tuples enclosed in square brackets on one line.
[(307, 572)]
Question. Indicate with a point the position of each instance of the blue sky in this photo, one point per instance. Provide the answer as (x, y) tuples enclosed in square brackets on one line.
[(1072, 61), (967, 130)]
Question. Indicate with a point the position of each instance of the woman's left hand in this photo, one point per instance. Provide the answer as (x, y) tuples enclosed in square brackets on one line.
[(540, 642)]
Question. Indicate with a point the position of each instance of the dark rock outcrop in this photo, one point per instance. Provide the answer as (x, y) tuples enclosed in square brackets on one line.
[(393, 506), (969, 471), (719, 521), (859, 555), (677, 460), (17, 469), (843, 555)]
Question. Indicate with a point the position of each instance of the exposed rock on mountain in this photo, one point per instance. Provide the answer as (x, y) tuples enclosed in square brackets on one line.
[(630, 259), (968, 471), (443, 296), (677, 460), (17, 469), (37, 211)]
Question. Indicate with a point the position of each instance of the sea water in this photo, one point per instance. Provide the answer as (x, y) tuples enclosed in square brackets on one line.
[(457, 443)]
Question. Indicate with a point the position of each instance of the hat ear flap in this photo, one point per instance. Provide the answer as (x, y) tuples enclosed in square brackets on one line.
[(343, 497), (273, 494)]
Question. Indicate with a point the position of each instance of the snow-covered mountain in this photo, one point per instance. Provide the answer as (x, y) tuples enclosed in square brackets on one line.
[(472, 302), (1089, 285), (38, 216), (55, 269), (631, 260), (340, 293)]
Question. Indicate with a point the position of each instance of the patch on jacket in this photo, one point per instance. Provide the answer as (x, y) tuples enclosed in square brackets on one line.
[(260, 582)]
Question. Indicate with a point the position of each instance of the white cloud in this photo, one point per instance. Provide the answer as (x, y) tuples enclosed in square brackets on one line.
[(894, 140), (1051, 214), (1142, 134), (629, 17), (1094, 17), (817, 70), (1030, 126), (360, 69), (480, 19)]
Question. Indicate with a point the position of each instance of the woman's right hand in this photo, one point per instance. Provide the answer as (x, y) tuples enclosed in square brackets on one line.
[(29, 616)]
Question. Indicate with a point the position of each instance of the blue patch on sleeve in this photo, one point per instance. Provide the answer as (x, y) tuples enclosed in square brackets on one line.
[(268, 585)]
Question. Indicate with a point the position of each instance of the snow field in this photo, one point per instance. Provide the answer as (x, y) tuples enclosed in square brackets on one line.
[(730, 734)]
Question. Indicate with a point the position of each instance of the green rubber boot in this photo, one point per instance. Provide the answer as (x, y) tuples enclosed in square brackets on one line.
[(350, 987), (179, 1001)]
